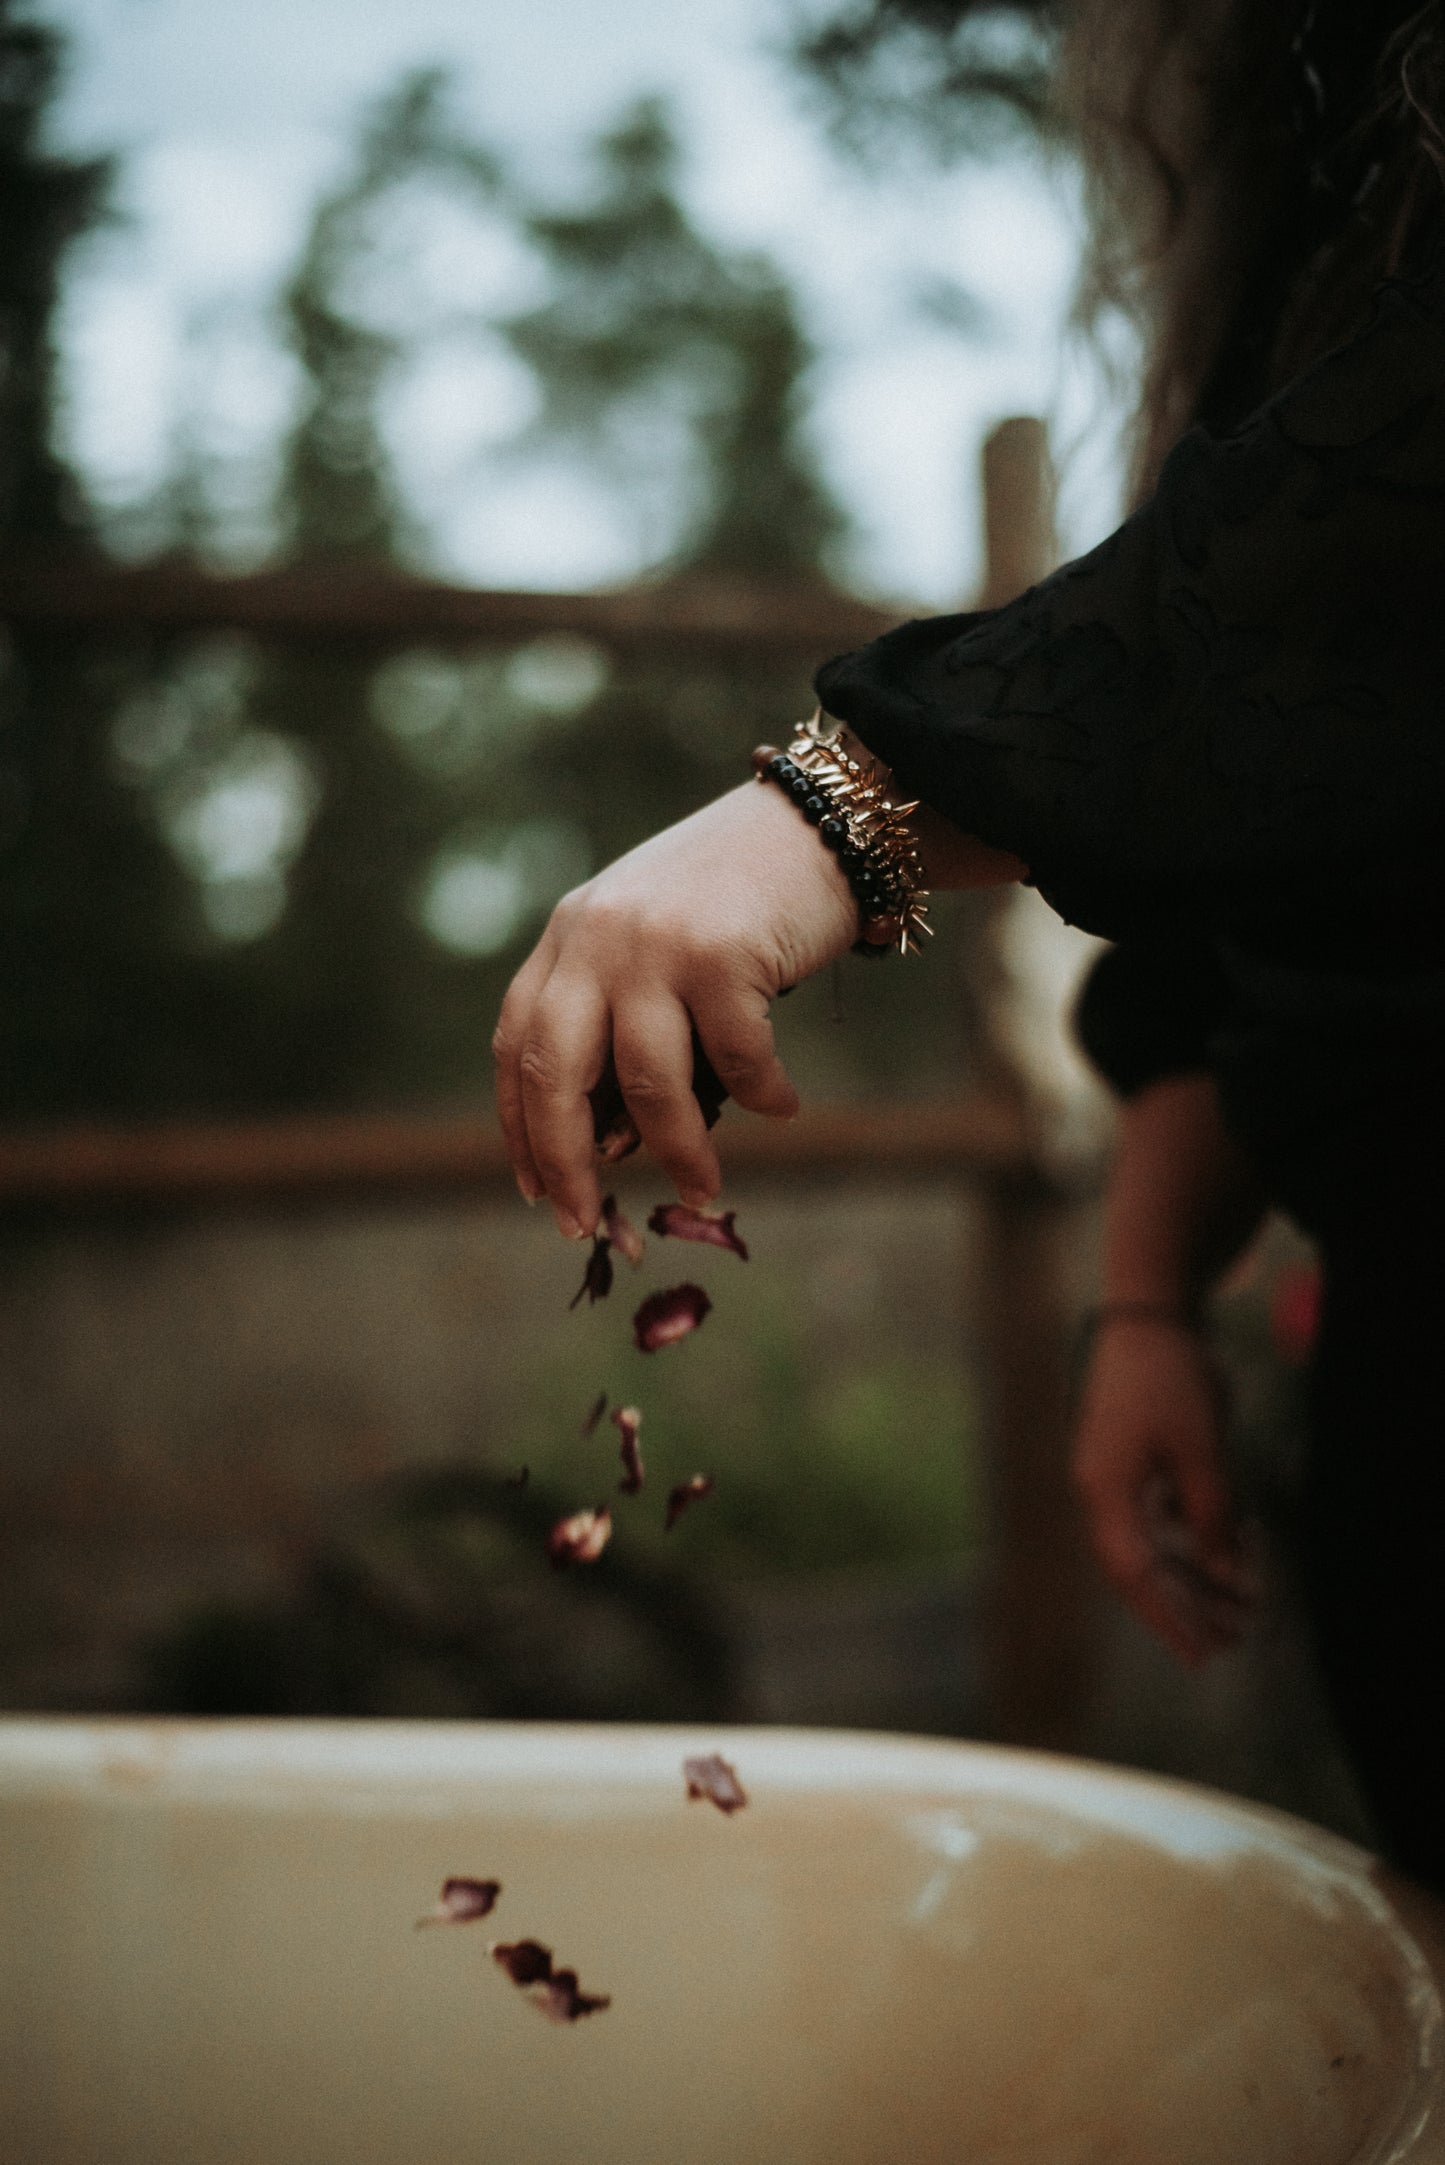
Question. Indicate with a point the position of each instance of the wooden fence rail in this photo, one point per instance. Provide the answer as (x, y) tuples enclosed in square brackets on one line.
[(974, 1139), (995, 1141), (355, 606)]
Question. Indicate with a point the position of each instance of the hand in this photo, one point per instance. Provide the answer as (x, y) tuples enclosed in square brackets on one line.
[(700, 928), (1149, 1465)]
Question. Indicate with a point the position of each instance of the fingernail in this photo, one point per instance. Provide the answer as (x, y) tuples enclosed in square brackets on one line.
[(529, 1189), (568, 1227), (697, 1198)]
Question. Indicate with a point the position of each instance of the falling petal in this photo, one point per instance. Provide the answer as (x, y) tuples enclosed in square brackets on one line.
[(714, 1779), (554, 1993), (679, 1222), (663, 1318), (621, 1231), (684, 1496), (525, 1961), (462, 1901), (561, 1998), (628, 1421), (597, 1278), (589, 1426), (581, 1538)]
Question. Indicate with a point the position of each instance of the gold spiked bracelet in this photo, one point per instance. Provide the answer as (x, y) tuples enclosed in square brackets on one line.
[(847, 801)]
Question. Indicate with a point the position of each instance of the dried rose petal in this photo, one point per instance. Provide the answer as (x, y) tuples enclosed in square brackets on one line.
[(621, 1231), (665, 1317), (462, 1901), (684, 1496), (614, 1130), (561, 1999), (714, 1779), (628, 1421), (597, 1278), (554, 1993), (525, 1961), (520, 1478), (679, 1221), (619, 1142), (595, 1414), (581, 1538)]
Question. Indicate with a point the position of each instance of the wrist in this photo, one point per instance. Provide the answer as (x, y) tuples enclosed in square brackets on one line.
[(814, 876), (848, 803)]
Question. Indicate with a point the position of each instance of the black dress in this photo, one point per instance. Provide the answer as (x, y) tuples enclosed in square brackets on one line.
[(1219, 740)]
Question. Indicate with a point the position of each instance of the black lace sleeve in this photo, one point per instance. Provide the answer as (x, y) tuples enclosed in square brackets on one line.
[(1230, 718), (1150, 1009)]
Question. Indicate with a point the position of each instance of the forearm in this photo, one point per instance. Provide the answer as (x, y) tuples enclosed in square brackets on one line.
[(1184, 1198)]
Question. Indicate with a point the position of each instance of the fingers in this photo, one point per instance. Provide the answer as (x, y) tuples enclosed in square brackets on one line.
[(1147, 1586), (732, 1022), (562, 1054), (552, 1044), (1205, 1505), (513, 1025), (652, 1053), (1117, 1530), (1151, 1550)]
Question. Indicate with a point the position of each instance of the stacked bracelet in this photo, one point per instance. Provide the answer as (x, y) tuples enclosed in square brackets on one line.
[(847, 802)]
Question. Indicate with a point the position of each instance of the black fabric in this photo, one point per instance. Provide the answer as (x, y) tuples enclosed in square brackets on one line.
[(1226, 718), (1150, 1008), (1370, 1538), (1219, 740), (1222, 732)]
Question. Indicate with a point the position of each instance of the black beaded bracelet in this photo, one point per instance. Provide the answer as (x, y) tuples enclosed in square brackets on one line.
[(873, 890), (864, 837)]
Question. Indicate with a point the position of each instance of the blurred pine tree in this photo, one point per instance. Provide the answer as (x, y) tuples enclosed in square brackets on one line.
[(90, 969), (655, 342), (240, 878)]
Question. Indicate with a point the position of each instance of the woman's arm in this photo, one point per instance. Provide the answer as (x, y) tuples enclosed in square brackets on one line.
[(1184, 1198), (1183, 1202), (1225, 719)]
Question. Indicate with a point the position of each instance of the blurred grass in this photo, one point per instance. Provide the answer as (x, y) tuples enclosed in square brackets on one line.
[(836, 1443)]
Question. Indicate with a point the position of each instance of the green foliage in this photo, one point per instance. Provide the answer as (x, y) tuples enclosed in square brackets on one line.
[(338, 494), (832, 1452), (242, 878), (654, 341), (952, 79), (46, 204), (89, 898)]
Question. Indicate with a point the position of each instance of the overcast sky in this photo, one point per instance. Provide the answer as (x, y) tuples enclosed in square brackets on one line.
[(230, 117)]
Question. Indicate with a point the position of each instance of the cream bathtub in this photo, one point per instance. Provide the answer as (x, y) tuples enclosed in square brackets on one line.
[(902, 1950)]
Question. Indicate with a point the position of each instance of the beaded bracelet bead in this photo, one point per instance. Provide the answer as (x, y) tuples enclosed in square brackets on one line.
[(847, 803)]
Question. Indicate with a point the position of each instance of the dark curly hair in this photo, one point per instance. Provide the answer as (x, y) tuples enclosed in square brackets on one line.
[(1254, 169)]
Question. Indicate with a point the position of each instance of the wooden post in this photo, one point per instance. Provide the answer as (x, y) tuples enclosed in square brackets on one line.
[(1039, 1606), (1020, 545)]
